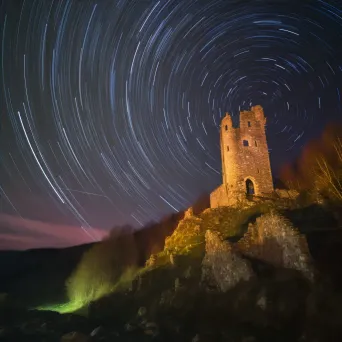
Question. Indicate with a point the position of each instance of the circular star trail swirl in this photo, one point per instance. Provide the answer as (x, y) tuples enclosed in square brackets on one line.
[(112, 108)]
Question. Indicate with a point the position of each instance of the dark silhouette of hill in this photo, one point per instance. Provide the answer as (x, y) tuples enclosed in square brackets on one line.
[(38, 275)]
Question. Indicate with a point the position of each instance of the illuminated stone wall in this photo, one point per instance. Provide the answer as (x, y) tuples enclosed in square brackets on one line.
[(244, 154)]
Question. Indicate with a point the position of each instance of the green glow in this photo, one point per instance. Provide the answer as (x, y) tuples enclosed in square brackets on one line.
[(62, 308), (80, 302)]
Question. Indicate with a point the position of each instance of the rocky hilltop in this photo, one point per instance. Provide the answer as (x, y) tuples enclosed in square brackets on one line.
[(262, 273)]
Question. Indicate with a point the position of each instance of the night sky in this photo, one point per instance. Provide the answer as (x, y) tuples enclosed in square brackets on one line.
[(110, 110)]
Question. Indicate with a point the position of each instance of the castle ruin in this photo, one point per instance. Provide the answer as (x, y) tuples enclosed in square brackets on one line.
[(246, 168)]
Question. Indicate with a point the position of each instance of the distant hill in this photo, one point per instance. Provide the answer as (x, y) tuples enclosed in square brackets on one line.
[(18, 233), (36, 276)]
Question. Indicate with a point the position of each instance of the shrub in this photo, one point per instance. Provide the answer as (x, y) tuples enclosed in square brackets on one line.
[(102, 269)]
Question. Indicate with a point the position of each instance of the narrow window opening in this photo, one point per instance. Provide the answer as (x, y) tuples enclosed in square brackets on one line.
[(249, 187), (245, 143), (256, 144), (226, 127), (258, 171), (227, 148), (249, 124)]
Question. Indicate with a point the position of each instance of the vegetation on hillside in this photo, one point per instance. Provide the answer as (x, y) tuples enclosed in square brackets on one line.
[(103, 268), (318, 171)]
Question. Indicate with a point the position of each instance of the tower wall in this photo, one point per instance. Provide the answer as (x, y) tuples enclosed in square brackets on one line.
[(229, 154), (244, 154)]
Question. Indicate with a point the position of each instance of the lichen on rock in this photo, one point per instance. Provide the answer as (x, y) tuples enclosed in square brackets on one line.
[(221, 266)]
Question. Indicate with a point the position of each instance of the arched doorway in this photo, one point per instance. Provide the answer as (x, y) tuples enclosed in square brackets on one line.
[(249, 187)]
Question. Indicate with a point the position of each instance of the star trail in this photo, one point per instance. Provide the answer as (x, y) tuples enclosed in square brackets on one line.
[(111, 109)]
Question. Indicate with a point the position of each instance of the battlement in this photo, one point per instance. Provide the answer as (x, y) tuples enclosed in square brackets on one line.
[(249, 119)]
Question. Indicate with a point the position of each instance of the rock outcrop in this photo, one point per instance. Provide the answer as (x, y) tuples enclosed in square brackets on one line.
[(189, 213), (273, 239), (221, 266), (186, 235)]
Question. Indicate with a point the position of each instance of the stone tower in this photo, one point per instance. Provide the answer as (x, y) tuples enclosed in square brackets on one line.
[(246, 166)]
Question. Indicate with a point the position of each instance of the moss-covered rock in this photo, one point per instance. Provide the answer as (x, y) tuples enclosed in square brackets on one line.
[(186, 236), (229, 222)]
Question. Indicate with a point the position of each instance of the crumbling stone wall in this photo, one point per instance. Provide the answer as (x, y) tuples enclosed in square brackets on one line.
[(220, 197), (274, 240), (222, 268), (288, 194)]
